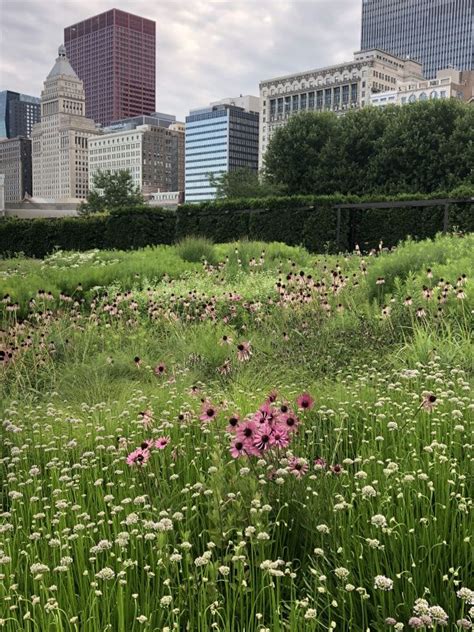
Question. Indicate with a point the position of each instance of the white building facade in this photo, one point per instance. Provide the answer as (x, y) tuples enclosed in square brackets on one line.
[(119, 151), (60, 140), (449, 84), (336, 88)]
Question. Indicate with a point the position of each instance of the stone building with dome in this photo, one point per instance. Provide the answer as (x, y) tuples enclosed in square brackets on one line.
[(60, 140)]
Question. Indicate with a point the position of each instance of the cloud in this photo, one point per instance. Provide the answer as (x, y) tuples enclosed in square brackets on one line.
[(206, 49)]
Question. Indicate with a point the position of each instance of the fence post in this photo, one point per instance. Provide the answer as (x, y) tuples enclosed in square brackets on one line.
[(446, 219), (338, 228)]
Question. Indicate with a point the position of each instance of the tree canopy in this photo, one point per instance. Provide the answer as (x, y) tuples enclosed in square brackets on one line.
[(421, 147), (112, 191), (243, 183)]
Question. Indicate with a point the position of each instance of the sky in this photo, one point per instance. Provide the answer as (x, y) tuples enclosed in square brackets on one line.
[(206, 49)]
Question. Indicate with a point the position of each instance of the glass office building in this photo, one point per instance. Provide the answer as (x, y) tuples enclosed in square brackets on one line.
[(438, 33), (18, 114), (219, 139)]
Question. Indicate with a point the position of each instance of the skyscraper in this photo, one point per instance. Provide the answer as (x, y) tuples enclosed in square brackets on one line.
[(220, 138), (438, 33), (114, 54), (18, 114), (59, 142), (15, 164)]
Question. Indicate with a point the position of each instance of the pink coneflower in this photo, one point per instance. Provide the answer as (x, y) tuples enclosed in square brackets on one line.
[(147, 444), (244, 351), (246, 431), (159, 369), (194, 391), (288, 421), (233, 423), (162, 442), (147, 417), (305, 401), (225, 368), (336, 469), (460, 295), (271, 397), (137, 361), (237, 448), (429, 401), (280, 438), (225, 340), (262, 438), (138, 457), (208, 412), (298, 467), (320, 464), (408, 301), (264, 414)]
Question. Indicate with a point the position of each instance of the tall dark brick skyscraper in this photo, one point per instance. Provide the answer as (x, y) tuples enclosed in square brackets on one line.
[(114, 54), (437, 33)]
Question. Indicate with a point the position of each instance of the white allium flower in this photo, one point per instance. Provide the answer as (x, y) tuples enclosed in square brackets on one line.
[(368, 491), (341, 572), (310, 613), (383, 583), (466, 594), (166, 600), (378, 520), (106, 574)]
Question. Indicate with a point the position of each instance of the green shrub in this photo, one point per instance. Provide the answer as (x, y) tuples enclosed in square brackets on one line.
[(195, 249)]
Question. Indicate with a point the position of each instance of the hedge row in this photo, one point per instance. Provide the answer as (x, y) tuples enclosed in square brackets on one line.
[(124, 230), (312, 221), (299, 220)]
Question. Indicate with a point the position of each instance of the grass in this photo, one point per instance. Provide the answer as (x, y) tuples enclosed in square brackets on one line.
[(357, 516)]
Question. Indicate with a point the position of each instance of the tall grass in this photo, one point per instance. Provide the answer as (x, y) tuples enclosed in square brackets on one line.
[(376, 517)]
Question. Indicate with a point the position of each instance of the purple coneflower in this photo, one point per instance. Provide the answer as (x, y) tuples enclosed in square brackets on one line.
[(305, 401), (237, 448), (263, 437), (162, 442), (298, 467), (244, 351), (288, 421), (429, 401), (159, 369), (233, 423), (320, 464), (138, 457), (280, 438), (208, 412)]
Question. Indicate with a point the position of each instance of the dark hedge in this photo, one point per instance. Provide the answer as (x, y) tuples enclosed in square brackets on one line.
[(310, 221)]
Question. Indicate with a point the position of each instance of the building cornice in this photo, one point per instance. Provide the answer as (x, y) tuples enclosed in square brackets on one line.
[(318, 72)]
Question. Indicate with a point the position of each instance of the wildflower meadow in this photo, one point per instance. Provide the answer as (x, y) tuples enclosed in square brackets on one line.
[(238, 437)]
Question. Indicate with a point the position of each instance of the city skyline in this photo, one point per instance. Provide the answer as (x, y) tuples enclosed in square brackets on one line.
[(205, 50)]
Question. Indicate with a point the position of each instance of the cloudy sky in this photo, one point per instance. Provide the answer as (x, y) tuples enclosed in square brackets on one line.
[(206, 49)]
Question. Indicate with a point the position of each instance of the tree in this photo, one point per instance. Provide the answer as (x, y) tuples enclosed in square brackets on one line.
[(111, 191), (422, 147), (299, 152), (243, 183)]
